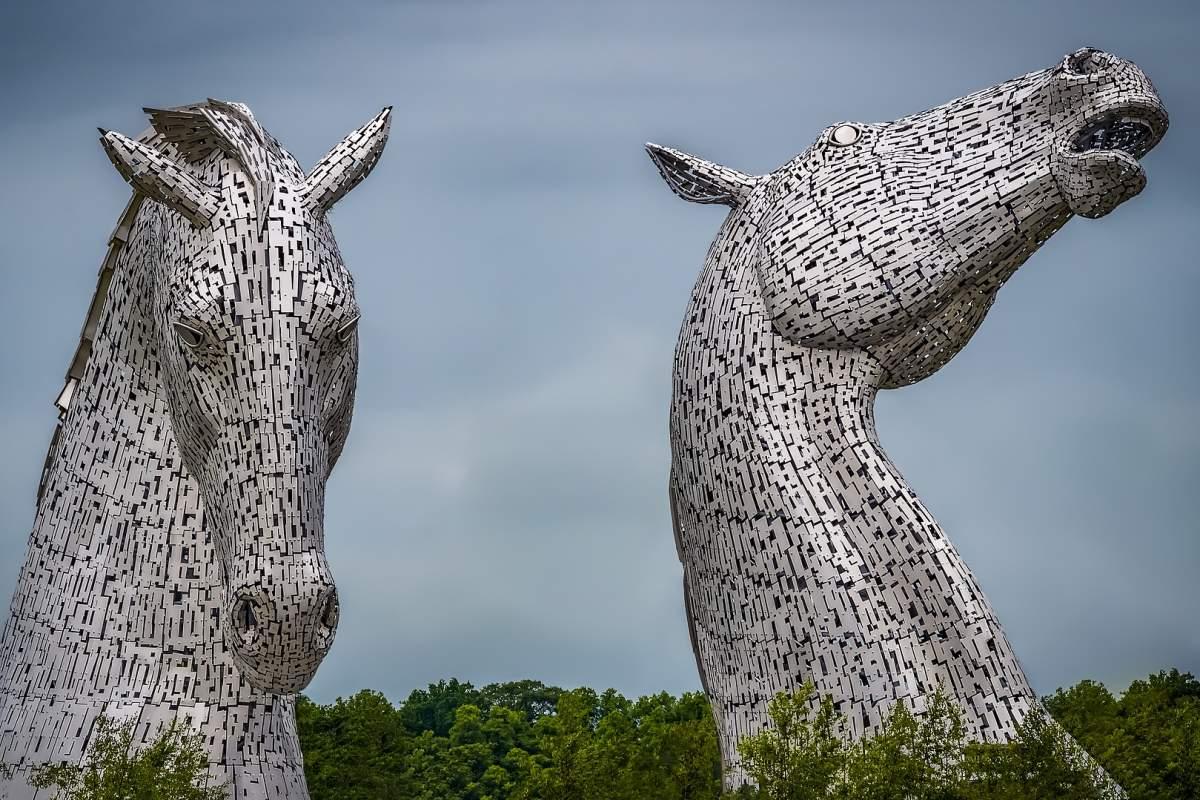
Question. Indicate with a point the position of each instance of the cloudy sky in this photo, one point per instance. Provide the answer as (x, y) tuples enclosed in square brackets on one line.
[(500, 510)]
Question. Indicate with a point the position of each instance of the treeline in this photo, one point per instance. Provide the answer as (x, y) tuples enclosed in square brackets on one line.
[(528, 741), (1148, 738), (510, 741)]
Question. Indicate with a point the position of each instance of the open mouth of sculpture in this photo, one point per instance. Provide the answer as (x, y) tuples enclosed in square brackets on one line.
[(1097, 167), (1116, 131)]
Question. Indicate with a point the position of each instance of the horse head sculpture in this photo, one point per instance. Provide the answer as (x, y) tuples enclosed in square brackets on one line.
[(866, 262), (893, 237), (253, 322), (176, 570)]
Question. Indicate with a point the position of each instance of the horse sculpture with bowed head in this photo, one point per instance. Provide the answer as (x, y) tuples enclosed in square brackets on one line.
[(867, 262), (177, 568)]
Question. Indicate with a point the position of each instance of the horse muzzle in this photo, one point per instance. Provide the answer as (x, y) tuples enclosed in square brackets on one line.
[(1095, 160), (279, 631)]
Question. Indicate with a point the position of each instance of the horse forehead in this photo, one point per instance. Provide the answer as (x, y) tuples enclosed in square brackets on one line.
[(955, 117), (296, 284), (992, 120)]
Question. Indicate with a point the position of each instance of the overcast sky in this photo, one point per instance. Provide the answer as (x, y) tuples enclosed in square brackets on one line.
[(500, 510)]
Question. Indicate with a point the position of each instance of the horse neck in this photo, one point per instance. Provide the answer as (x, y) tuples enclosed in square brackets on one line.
[(734, 370), (782, 491), (118, 544)]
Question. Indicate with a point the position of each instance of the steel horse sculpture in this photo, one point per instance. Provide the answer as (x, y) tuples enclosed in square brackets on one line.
[(865, 263), (176, 568)]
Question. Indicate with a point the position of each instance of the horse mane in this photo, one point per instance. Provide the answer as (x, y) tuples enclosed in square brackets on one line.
[(190, 133), (195, 134)]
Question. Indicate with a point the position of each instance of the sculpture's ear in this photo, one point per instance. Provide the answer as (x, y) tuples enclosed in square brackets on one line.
[(700, 181), (351, 160), (162, 178)]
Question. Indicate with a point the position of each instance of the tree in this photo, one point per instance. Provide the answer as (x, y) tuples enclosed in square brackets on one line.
[(798, 758), (533, 699), (910, 758), (808, 756), (433, 709), (1042, 763), (172, 767), (676, 755), (1148, 739), (528, 741), (355, 749), (564, 739)]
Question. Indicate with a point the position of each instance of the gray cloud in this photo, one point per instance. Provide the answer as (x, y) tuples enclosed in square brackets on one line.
[(500, 510)]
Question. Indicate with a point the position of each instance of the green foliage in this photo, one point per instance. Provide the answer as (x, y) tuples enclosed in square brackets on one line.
[(173, 767), (1043, 763), (911, 758), (1148, 739), (528, 741), (433, 709), (365, 725), (511, 741), (799, 758), (807, 755)]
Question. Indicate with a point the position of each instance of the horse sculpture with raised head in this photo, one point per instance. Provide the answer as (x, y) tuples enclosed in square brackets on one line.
[(176, 569), (865, 263)]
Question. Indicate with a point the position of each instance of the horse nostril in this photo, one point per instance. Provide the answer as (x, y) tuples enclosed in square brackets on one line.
[(1086, 61), (329, 615), (245, 620)]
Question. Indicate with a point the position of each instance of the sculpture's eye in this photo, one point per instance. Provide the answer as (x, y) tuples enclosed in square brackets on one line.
[(845, 134), (346, 332), (189, 337)]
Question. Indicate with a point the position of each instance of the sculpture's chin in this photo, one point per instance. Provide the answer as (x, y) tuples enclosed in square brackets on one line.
[(281, 681), (1095, 182)]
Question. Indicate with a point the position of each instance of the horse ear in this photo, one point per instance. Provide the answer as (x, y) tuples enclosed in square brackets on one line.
[(700, 181), (351, 160), (162, 178)]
